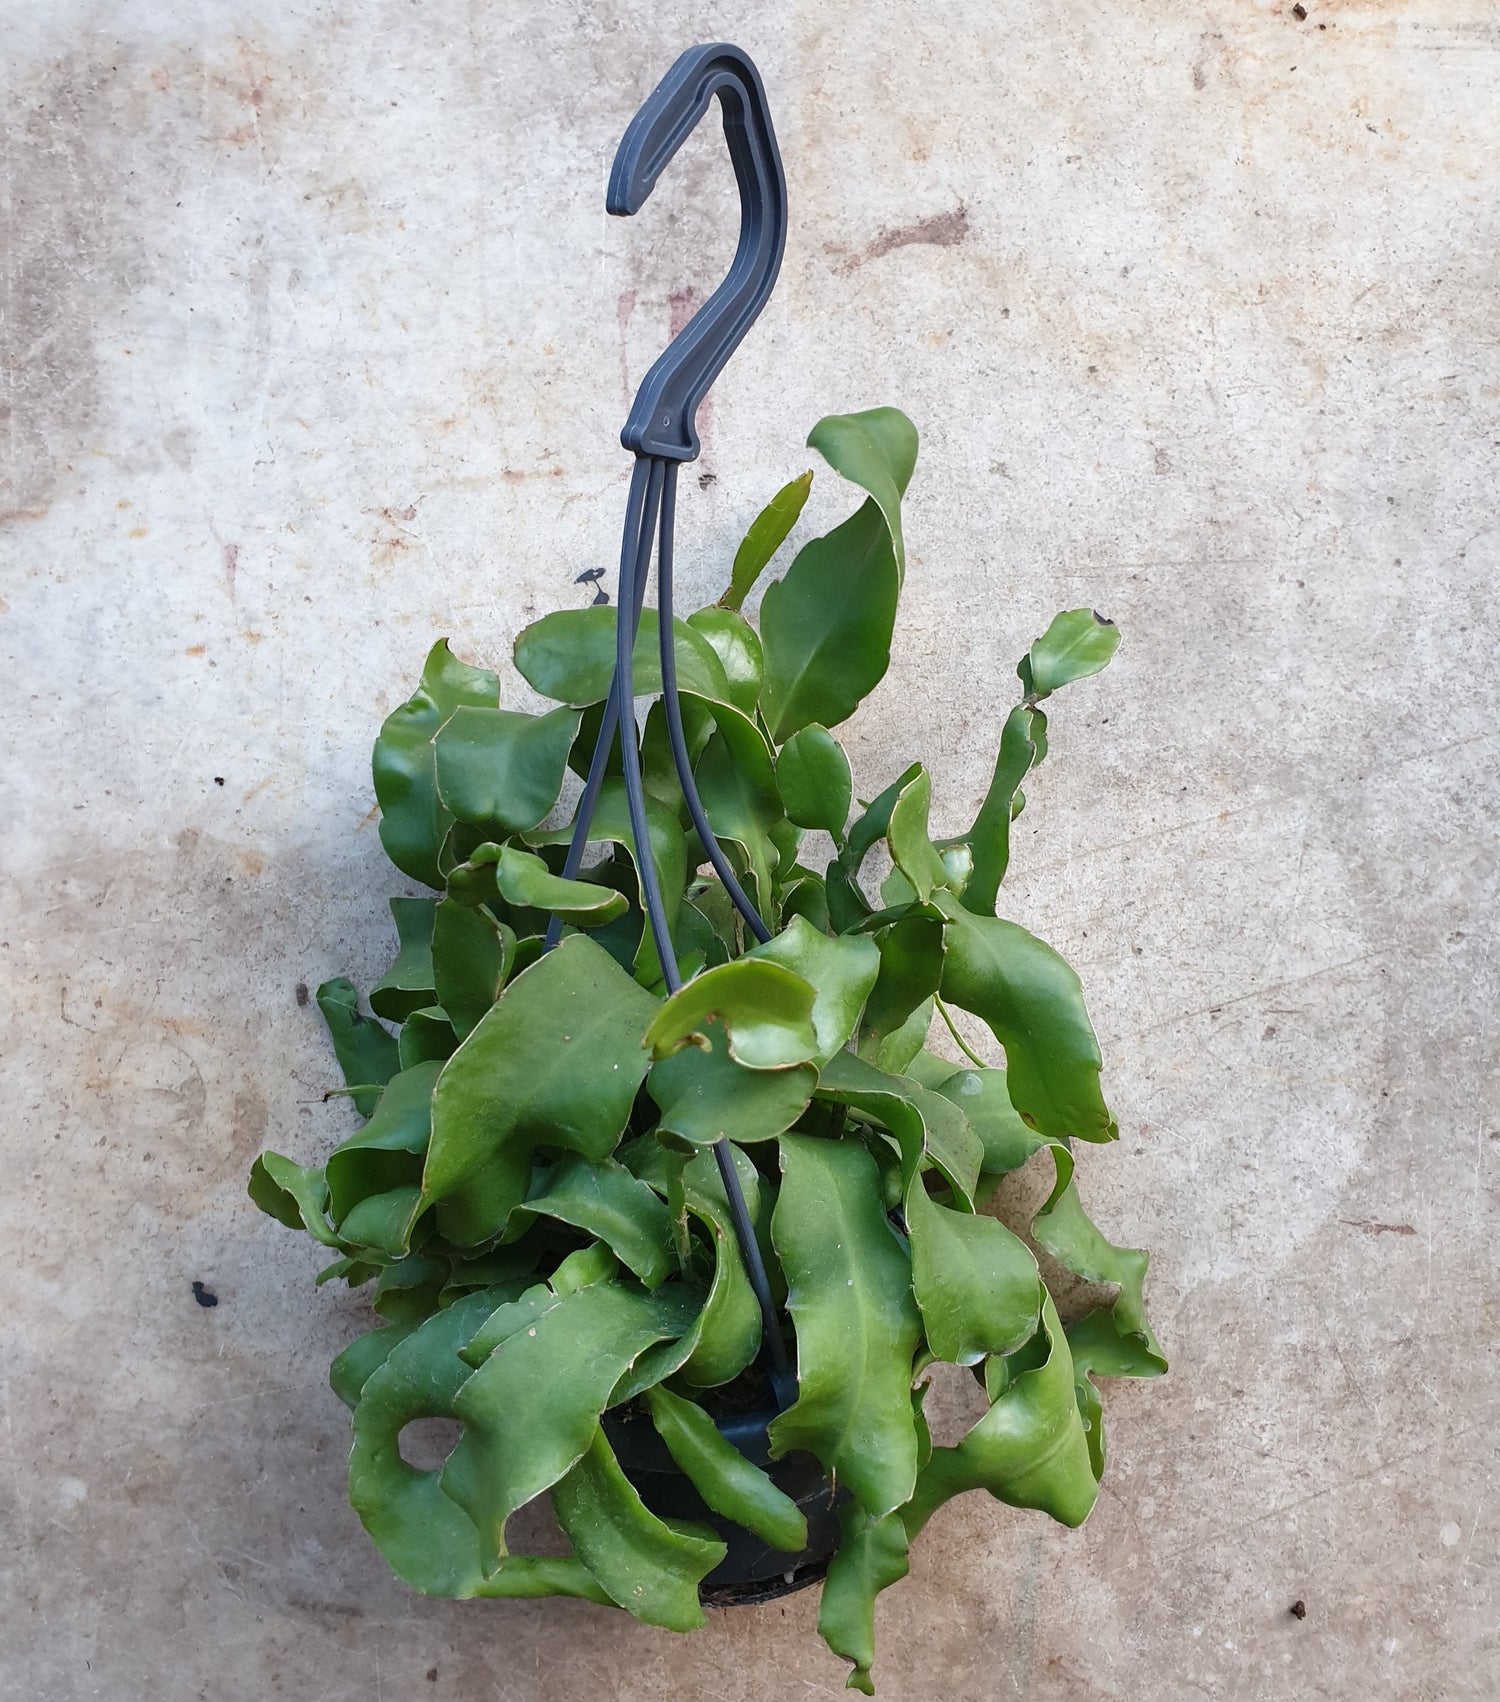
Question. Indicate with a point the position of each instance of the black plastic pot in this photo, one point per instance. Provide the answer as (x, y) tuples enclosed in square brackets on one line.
[(749, 1572)]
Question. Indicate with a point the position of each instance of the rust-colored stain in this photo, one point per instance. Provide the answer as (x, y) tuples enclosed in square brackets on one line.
[(939, 230)]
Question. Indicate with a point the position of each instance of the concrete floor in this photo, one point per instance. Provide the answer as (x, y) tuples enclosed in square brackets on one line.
[(319, 342)]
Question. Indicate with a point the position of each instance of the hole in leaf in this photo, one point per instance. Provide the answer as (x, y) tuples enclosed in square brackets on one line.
[(426, 1443)]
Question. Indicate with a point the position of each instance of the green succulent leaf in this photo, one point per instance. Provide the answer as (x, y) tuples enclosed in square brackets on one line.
[(611, 823), (841, 970), (871, 1557), (876, 450), (974, 1282), (570, 657), (989, 837), (911, 970), (532, 1409), (912, 850), (704, 1095), (604, 1200), (765, 1008), (737, 782), (555, 1063), (383, 1163), (731, 1485), (413, 820), (407, 985), (363, 1357), (427, 1539), (471, 955), (1117, 1341), (1033, 1003), (984, 1099), (929, 1129), (725, 1336), (524, 880), (826, 627), (650, 1566), (367, 1053), (501, 771), (1029, 1450), (850, 1297), (768, 532), (737, 645), (426, 1034), (812, 773), (1078, 643), (848, 907), (293, 1194)]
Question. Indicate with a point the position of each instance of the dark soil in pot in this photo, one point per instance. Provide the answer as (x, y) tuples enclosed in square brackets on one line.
[(750, 1572)]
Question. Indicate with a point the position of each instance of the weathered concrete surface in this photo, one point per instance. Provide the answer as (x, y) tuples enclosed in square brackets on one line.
[(318, 342)]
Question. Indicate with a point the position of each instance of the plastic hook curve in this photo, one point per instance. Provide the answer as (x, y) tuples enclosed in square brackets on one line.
[(661, 421)]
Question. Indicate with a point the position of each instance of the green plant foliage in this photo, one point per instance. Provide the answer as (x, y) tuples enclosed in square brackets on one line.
[(528, 1184), (413, 820), (721, 1474), (768, 532), (816, 786)]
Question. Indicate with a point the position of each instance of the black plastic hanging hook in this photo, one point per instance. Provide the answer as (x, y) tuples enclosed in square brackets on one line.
[(660, 432), (661, 421)]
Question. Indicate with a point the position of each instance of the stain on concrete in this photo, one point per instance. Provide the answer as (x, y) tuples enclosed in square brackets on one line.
[(939, 230)]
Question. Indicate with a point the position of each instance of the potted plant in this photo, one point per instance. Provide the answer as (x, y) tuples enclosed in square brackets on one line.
[(533, 1199)]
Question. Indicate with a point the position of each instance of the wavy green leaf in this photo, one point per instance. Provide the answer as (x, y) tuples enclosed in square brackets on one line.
[(989, 837), (426, 1537), (726, 1335), (704, 1095), (569, 656), (737, 645), (911, 970), (737, 782), (426, 1034), (649, 1566), (383, 1163), (731, 1485), (984, 1099), (471, 957), (367, 1053), (293, 1194), (611, 823), (1029, 1450), (841, 971), (1078, 643), (871, 1557), (363, 1357), (912, 851), (501, 771), (407, 985), (555, 1063), (413, 820), (877, 450), (975, 1282), (524, 880), (812, 774), (1033, 1003), (531, 1410), (847, 904), (604, 1200), (765, 1008), (857, 1325), (1117, 1341), (768, 532), (826, 627)]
